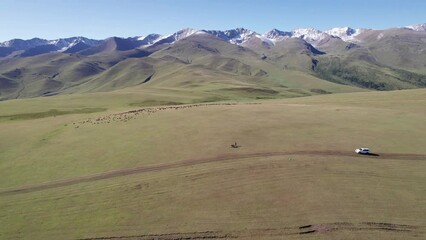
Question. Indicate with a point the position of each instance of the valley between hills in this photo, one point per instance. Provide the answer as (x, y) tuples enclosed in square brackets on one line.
[(220, 65)]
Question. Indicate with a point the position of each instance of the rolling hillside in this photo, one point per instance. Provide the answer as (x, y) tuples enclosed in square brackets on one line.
[(237, 61), (107, 166), (214, 135)]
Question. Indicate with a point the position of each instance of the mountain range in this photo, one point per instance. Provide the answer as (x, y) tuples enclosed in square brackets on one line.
[(299, 62)]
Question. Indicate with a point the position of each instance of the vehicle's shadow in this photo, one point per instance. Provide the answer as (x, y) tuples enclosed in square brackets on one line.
[(372, 154)]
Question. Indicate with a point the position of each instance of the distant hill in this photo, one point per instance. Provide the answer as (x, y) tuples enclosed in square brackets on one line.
[(238, 61)]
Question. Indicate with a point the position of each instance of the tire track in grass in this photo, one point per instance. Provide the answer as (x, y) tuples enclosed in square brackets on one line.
[(321, 228), (192, 162)]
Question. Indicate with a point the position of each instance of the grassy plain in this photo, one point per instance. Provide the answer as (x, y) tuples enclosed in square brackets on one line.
[(295, 175)]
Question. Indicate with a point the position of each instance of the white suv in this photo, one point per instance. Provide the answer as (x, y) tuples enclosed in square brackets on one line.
[(362, 150)]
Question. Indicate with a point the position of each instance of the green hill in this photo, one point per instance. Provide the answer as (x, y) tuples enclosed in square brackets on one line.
[(105, 166), (379, 60)]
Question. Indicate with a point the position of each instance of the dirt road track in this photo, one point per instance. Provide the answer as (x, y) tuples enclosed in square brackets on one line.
[(191, 162), (276, 233)]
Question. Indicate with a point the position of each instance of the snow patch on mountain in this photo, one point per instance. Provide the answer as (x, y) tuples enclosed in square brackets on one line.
[(66, 43), (308, 33), (311, 35), (149, 40), (243, 36), (344, 33), (276, 35), (235, 36), (61, 44), (184, 33), (315, 36), (418, 27), (266, 40)]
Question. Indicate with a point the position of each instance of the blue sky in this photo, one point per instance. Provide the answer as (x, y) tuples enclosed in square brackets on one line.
[(125, 18)]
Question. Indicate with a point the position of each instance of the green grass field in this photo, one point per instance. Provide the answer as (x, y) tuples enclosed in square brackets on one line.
[(170, 173)]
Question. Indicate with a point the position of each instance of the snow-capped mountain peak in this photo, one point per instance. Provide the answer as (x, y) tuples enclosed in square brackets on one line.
[(66, 43), (88, 41), (345, 33), (149, 39), (235, 36), (310, 35), (59, 42), (184, 33), (181, 34), (418, 27), (240, 35), (276, 35), (341, 31)]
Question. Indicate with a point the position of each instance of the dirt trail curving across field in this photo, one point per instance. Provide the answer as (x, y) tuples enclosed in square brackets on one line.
[(321, 228), (191, 162)]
